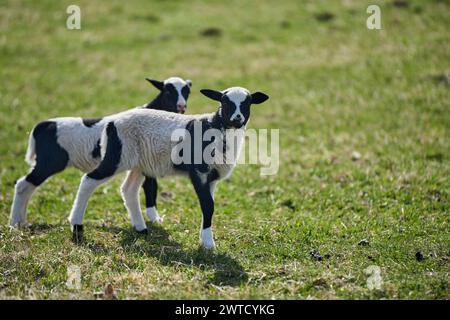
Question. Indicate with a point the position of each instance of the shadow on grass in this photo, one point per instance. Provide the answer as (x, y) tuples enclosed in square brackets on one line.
[(160, 245), (38, 228)]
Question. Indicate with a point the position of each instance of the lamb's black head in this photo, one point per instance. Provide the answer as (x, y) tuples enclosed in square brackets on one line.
[(235, 104), (174, 93)]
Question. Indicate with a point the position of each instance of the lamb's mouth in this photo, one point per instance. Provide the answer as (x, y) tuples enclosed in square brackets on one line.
[(237, 124)]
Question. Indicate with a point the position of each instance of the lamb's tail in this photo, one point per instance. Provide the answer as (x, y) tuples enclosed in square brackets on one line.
[(30, 156)]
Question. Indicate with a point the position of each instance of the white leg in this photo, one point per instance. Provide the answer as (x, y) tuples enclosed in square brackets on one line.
[(130, 193), (207, 239), (87, 187), (153, 215), (22, 194)]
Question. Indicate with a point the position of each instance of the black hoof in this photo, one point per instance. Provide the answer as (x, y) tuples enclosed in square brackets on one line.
[(144, 232), (77, 233)]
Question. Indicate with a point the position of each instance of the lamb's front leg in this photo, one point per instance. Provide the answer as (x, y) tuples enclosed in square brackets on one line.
[(150, 187), (87, 187), (205, 194), (130, 194)]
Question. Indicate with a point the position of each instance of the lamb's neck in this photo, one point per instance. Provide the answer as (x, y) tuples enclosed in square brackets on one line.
[(217, 121), (236, 134), (155, 103)]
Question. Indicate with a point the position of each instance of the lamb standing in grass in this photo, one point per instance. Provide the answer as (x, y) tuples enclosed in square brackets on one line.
[(59, 143), (141, 141)]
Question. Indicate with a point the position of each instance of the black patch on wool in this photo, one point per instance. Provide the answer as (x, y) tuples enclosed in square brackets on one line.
[(50, 156), (113, 153), (213, 175), (91, 122), (96, 152), (192, 166)]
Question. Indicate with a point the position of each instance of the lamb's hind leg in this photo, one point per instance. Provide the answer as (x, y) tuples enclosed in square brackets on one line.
[(108, 167), (51, 158), (150, 187), (22, 194), (26, 185), (130, 193)]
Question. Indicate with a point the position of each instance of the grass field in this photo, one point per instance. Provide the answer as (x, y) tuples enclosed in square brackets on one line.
[(335, 88)]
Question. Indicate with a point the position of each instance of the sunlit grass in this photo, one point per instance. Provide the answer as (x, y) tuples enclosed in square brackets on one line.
[(335, 87)]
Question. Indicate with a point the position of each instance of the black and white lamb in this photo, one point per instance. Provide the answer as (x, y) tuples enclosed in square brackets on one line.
[(141, 141), (58, 143)]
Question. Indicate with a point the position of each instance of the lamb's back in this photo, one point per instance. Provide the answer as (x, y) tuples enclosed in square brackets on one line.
[(146, 139)]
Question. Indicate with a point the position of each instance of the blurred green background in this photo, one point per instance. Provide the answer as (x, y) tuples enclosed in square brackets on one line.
[(364, 128)]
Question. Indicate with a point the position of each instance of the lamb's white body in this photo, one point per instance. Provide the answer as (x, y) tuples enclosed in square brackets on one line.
[(146, 141), (79, 141)]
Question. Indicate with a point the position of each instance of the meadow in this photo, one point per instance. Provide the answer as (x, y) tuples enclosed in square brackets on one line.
[(364, 119)]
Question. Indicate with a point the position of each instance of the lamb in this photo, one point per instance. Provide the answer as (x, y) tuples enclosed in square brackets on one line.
[(58, 143), (142, 142)]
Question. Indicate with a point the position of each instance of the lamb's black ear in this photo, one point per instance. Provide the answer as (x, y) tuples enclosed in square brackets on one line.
[(212, 94), (189, 83), (259, 97), (157, 84)]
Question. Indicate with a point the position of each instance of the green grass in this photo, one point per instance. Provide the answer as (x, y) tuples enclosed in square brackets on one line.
[(335, 87)]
